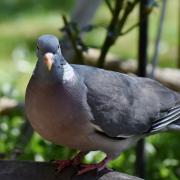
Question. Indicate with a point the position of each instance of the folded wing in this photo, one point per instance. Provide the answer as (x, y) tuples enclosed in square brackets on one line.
[(124, 105)]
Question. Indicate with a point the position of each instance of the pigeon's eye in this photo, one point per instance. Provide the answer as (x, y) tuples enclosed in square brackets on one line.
[(58, 46)]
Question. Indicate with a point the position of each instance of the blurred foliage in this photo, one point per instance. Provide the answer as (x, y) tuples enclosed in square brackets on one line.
[(12, 8), (21, 23)]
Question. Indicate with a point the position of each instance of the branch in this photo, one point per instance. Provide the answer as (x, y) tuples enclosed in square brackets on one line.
[(134, 26), (129, 29), (147, 11), (73, 41), (110, 37), (43, 170), (129, 7), (109, 6), (115, 28)]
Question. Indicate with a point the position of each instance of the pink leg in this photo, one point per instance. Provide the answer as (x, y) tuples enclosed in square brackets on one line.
[(61, 164), (88, 167)]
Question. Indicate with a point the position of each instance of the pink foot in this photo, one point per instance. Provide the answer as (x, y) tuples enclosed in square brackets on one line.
[(61, 164), (89, 167)]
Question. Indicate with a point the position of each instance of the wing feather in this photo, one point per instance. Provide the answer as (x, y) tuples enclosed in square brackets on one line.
[(125, 105), (172, 115)]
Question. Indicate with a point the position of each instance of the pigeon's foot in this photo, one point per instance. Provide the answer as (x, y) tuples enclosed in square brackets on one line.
[(61, 164), (89, 167)]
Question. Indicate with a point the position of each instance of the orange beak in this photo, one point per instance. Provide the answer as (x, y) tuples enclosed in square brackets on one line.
[(48, 60)]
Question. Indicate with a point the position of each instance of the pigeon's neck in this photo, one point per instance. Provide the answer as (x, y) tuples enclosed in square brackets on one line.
[(62, 73), (69, 74)]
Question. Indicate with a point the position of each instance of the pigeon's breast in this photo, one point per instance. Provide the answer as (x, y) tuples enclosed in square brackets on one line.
[(57, 116)]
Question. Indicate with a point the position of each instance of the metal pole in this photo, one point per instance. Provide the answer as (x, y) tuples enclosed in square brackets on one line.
[(178, 63), (158, 38), (143, 39), (140, 164)]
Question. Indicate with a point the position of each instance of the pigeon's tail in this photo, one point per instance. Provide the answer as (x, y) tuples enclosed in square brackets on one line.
[(169, 121)]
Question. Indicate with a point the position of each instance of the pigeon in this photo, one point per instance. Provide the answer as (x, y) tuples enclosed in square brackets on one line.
[(88, 108)]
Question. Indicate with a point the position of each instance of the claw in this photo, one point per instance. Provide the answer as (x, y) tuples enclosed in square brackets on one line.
[(89, 167), (62, 164)]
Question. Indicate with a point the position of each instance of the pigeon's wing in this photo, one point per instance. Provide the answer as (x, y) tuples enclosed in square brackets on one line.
[(123, 105), (170, 117)]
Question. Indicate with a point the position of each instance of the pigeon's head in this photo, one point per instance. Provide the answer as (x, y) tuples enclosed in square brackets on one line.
[(48, 51)]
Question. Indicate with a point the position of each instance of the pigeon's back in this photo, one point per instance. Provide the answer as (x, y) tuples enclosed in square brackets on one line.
[(123, 104)]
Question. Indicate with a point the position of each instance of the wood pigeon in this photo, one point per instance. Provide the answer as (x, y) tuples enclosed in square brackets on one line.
[(88, 108)]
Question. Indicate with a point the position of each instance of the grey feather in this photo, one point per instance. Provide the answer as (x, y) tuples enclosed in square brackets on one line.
[(89, 108), (172, 115), (122, 104)]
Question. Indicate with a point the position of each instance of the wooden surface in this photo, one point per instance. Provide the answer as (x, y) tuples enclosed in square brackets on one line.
[(29, 170)]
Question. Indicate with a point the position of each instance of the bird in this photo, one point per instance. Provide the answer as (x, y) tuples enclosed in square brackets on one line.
[(88, 108)]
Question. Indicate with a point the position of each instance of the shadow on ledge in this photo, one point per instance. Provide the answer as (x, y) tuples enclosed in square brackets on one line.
[(29, 170)]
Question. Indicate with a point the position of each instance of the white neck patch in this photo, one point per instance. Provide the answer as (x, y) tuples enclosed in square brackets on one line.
[(68, 74)]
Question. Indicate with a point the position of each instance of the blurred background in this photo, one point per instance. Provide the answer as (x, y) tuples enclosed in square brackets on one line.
[(21, 22)]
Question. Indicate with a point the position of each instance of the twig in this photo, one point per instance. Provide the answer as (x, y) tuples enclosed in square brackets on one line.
[(129, 29), (109, 6), (110, 37), (133, 26), (78, 52), (127, 11), (115, 27)]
